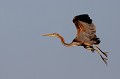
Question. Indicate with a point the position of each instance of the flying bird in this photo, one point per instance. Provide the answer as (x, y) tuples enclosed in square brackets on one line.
[(85, 36)]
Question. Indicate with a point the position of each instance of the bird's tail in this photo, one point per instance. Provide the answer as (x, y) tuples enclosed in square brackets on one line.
[(96, 41)]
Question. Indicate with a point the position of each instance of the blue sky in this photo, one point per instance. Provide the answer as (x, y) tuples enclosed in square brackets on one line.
[(25, 54)]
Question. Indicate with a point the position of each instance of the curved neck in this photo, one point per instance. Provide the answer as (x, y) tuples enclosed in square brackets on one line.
[(63, 42)]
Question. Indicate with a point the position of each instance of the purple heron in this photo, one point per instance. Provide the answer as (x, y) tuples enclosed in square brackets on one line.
[(85, 36)]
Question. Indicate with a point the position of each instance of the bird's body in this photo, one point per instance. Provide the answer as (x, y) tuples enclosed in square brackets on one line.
[(86, 35)]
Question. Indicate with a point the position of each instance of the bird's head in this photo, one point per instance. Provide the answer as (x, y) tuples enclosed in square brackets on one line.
[(52, 35)]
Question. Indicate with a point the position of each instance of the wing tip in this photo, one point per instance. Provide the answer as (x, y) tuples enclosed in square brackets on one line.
[(82, 17)]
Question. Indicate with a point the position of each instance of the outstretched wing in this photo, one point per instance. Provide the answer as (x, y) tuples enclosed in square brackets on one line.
[(85, 29)]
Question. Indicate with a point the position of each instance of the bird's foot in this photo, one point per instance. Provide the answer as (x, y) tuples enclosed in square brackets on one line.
[(104, 59)]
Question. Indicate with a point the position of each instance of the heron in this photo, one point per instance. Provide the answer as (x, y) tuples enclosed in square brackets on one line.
[(85, 36)]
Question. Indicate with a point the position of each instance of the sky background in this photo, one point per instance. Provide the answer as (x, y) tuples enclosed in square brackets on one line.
[(25, 54)]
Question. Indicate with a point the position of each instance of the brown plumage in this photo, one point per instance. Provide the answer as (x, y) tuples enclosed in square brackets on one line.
[(86, 35)]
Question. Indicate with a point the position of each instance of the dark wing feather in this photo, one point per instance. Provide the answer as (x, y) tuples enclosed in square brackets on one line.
[(83, 17)]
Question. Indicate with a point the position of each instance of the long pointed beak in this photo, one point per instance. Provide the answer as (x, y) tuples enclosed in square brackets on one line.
[(45, 34), (51, 34)]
